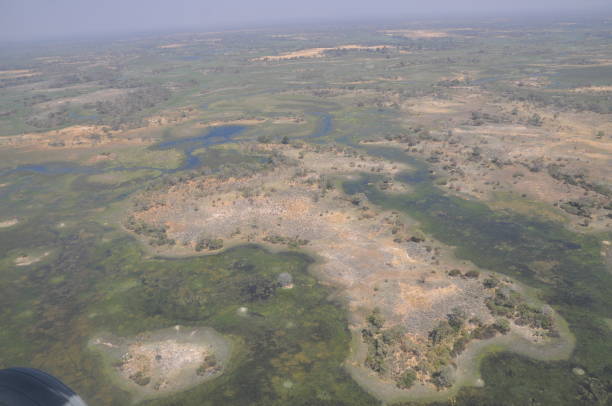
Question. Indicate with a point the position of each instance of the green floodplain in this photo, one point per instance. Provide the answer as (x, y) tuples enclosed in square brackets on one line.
[(289, 345)]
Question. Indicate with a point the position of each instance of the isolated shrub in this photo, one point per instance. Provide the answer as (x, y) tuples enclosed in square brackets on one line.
[(456, 318), (376, 319), (444, 378), (490, 283), (441, 332), (472, 274), (407, 379), (454, 272), (484, 332), (502, 325), (459, 345)]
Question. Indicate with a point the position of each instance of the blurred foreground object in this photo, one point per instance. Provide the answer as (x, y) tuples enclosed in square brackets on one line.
[(32, 387)]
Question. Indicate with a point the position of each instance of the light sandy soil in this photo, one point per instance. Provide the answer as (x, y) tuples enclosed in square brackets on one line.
[(417, 33), (25, 260), (164, 361), (17, 73), (171, 46), (592, 89), (319, 52), (8, 223), (513, 155)]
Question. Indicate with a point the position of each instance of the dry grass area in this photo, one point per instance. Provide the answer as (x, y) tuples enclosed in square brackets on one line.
[(88, 136), (482, 146), (319, 52), (372, 256)]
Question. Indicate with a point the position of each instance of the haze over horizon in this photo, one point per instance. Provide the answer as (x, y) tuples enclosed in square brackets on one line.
[(40, 19)]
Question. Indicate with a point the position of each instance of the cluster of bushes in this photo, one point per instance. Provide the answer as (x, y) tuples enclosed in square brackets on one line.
[(209, 366), (578, 208), (508, 303), (486, 331), (448, 339), (157, 235), (259, 288), (121, 110), (211, 244), (444, 378), (140, 379), (598, 103), (535, 120), (378, 341), (292, 242), (472, 274), (105, 75), (412, 137), (57, 118), (478, 118), (407, 379), (577, 179)]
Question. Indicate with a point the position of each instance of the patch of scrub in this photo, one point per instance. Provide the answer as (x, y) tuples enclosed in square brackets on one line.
[(160, 362), (465, 370), (8, 223)]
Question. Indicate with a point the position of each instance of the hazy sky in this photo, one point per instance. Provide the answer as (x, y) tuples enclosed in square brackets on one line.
[(27, 19)]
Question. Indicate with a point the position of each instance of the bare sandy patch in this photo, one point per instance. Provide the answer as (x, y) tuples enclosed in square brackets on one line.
[(172, 46), (417, 33), (25, 260), (8, 223), (17, 73), (433, 106), (592, 89), (157, 363), (320, 52)]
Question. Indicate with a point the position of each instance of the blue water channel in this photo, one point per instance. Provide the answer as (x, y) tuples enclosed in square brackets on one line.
[(215, 136)]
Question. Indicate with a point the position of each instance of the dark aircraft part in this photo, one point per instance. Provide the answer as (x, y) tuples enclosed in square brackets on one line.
[(31, 387)]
